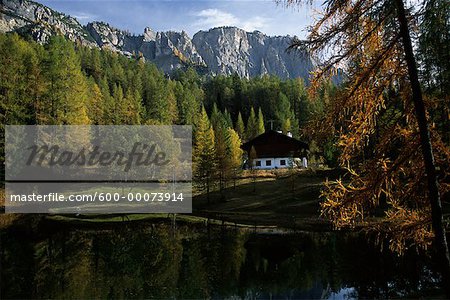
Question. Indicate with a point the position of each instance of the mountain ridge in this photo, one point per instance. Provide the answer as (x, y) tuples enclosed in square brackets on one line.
[(222, 50)]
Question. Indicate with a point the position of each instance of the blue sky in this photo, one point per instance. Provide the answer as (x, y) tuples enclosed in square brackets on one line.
[(191, 16)]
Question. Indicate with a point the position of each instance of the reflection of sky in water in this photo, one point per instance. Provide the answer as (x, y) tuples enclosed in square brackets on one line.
[(344, 294)]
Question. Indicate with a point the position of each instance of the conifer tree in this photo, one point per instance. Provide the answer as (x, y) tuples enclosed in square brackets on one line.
[(95, 104), (169, 111), (240, 127), (204, 161), (131, 108), (220, 125), (227, 117), (118, 99), (216, 117), (20, 84), (234, 153), (108, 101), (261, 128), (286, 126), (252, 125), (159, 98), (283, 113), (187, 104), (67, 87), (221, 155), (375, 38), (20, 81)]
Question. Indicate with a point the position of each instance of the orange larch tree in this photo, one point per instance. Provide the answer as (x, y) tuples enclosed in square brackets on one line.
[(398, 165)]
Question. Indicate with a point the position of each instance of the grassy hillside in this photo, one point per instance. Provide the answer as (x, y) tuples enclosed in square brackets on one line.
[(273, 198)]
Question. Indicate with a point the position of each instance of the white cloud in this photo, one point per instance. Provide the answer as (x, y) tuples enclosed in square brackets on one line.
[(214, 18), (84, 17), (209, 18), (255, 23)]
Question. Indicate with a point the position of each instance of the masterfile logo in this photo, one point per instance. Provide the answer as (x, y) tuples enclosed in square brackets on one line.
[(101, 168), (140, 155), (92, 153)]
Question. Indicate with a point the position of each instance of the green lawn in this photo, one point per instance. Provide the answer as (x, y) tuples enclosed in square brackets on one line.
[(283, 199), (274, 198)]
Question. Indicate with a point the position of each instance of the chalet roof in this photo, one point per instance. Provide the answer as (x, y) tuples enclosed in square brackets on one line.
[(274, 144)]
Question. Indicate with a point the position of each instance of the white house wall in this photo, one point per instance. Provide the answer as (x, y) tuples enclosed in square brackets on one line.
[(276, 163)]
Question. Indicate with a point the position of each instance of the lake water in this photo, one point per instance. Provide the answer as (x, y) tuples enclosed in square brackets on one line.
[(160, 261)]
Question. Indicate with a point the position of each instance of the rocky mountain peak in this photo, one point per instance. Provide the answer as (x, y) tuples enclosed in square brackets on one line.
[(221, 50), (149, 34), (40, 22)]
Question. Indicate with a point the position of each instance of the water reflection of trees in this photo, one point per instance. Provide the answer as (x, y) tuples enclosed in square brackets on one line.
[(158, 262)]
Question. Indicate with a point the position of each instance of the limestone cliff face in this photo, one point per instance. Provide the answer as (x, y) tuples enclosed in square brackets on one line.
[(113, 39), (227, 50), (168, 50), (40, 22), (223, 50)]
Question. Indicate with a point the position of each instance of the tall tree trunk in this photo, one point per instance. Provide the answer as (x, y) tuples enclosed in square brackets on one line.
[(427, 149)]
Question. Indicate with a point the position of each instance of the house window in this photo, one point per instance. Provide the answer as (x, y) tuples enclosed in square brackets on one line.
[(258, 163), (268, 162), (282, 162)]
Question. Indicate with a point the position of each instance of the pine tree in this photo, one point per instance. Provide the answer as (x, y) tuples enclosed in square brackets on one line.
[(95, 103), (216, 117), (261, 128), (67, 87), (169, 111), (220, 125), (108, 102), (204, 161), (159, 104), (234, 153), (286, 126), (118, 99), (227, 117), (221, 156), (240, 127), (131, 108), (21, 84), (252, 125), (187, 104), (283, 113)]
